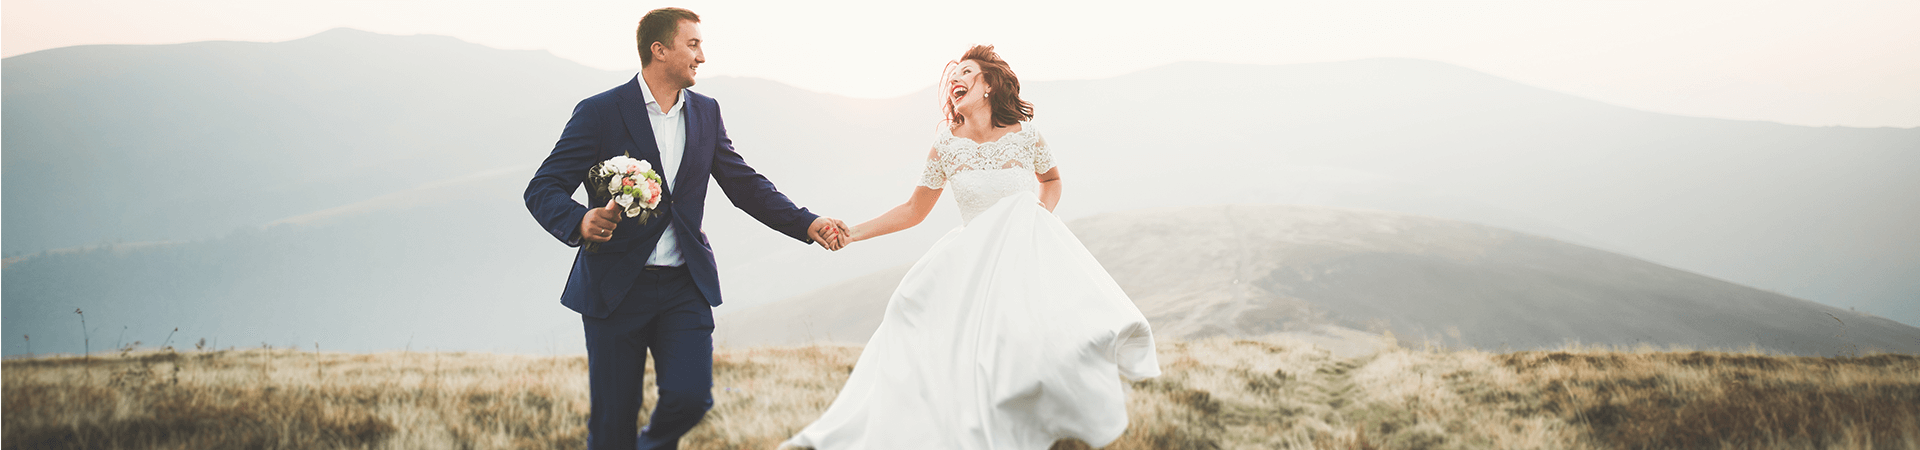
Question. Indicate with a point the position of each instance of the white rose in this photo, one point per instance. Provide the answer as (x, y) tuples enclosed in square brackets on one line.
[(620, 164), (614, 184), (624, 200)]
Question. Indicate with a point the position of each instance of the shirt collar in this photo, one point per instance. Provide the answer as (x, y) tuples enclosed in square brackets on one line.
[(653, 106)]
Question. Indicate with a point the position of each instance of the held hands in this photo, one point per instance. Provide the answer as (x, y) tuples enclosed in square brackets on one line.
[(830, 233), (598, 224)]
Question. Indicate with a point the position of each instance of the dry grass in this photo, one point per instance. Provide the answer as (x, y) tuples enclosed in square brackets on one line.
[(1723, 400), (1217, 393)]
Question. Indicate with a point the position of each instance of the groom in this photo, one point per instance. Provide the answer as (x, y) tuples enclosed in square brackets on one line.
[(653, 286)]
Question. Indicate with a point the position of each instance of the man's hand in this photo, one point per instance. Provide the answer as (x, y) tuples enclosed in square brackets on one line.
[(598, 224), (830, 233)]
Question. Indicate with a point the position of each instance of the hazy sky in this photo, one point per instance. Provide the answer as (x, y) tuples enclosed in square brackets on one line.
[(1826, 62)]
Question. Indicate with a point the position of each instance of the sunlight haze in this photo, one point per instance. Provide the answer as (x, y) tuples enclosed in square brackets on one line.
[(1796, 62)]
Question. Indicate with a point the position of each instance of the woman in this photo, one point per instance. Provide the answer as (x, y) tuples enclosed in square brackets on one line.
[(1007, 334)]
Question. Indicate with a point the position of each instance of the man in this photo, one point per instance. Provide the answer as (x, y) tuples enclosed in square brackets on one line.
[(652, 287)]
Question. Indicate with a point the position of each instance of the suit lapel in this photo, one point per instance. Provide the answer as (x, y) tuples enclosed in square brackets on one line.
[(633, 110), (696, 148)]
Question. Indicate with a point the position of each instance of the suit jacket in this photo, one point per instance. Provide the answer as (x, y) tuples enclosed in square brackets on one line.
[(613, 123)]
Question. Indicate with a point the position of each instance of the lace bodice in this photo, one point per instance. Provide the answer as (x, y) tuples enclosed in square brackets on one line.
[(982, 174)]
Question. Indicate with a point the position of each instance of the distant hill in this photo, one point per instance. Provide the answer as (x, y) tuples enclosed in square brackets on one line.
[(1823, 213), (365, 162), (133, 143), (1253, 270)]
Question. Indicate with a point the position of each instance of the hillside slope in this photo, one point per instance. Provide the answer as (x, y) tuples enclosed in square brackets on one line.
[(1250, 270)]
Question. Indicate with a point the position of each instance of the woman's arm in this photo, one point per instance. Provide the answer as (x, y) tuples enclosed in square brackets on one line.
[(900, 217), (1050, 188)]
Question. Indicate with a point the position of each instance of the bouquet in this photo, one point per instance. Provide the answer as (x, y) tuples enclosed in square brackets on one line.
[(633, 185)]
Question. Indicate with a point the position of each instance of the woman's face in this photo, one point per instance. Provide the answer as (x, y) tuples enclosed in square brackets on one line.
[(966, 88)]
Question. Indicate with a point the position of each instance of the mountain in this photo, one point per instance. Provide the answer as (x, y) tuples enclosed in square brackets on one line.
[(1252, 270), (208, 137), (1818, 213), (354, 173)]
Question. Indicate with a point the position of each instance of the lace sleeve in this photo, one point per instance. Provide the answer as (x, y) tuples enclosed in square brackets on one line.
[(935, 177), (1042, 158)]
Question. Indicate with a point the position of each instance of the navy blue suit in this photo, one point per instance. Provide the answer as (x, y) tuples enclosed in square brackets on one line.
[(626, 307)]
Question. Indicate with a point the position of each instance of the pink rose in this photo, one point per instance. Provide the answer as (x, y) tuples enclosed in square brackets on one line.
[(633, 168), (654, 198), (627, 182)]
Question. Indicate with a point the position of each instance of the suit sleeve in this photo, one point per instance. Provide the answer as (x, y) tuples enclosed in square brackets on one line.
[(753, 193), (549, 195)]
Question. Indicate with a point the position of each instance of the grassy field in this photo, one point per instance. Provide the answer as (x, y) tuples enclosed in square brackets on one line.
[(1219, 393)]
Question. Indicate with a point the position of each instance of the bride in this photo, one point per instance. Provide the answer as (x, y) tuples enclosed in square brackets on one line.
[(1007, 334)]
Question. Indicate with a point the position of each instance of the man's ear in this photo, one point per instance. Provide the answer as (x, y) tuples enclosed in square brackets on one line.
[(659, 50)]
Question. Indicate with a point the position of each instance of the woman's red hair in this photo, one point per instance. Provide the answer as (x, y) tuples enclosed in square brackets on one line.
[(1004, 96)]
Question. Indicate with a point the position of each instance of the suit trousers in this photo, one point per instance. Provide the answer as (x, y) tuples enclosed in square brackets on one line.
[(664, 314)]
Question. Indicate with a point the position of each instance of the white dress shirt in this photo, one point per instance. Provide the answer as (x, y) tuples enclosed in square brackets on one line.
[(670, 134)]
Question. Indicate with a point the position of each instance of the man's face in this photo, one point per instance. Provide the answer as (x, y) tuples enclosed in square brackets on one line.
[(683, 57)]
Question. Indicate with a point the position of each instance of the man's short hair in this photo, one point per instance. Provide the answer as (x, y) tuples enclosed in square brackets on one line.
[(660, 25)]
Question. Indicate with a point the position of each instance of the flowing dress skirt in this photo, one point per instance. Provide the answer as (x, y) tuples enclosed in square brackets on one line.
[(1007, 334)]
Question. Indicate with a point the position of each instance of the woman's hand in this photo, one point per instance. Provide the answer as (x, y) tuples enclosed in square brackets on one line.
[(829, 232)]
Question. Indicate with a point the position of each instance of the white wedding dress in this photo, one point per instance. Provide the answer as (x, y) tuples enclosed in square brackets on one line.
[(1007, 334)]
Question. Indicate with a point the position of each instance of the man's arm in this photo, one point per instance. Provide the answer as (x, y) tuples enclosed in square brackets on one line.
[(549, 195), (754, 194)]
